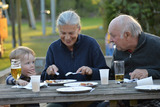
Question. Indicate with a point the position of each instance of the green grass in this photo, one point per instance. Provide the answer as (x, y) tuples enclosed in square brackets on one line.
[(37, 42)]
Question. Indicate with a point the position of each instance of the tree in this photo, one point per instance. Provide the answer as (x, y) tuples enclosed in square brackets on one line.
[(145, 11)]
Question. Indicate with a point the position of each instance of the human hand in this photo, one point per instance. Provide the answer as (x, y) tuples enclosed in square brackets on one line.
[(139, 74), (22, 82), (85, 70), (52, 69)]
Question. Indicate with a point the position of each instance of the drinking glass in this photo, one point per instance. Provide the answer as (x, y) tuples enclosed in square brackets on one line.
[(35, 80), (15, 70), (119, 71), (104, 74)]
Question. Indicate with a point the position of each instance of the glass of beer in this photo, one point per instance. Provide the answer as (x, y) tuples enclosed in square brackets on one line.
[(16, 70), (119, 71)]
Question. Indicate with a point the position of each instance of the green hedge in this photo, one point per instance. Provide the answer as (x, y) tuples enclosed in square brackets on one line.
[(147, 12)]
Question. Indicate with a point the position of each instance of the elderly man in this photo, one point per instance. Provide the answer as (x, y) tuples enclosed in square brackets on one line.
[(139, 50)]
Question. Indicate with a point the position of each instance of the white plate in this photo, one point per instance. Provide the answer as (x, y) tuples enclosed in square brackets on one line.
[(76, 84), (29, 85), (74, 89), (59, 82), (148, 87)]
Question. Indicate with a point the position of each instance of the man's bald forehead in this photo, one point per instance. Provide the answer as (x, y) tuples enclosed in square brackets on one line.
[(115, 23), (120, 19)]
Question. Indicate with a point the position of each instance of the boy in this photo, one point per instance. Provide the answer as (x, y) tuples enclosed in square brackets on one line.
[(27, 57)]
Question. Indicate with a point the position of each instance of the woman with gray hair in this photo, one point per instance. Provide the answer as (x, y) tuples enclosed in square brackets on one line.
[(73, 52)]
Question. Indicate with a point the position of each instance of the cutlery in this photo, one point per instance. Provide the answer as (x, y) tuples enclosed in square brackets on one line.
[(57, 73), (73, 73), (92, 89)]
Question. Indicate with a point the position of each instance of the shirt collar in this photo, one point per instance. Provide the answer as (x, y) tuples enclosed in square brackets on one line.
[(129, 50), (141, 40), (25, 78)]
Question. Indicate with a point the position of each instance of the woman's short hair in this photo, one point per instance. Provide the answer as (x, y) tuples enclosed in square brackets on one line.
[(20, 52), (68, 17)]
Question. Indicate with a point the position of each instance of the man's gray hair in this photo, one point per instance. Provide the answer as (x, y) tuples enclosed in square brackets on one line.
[(68, 17), (130, 24)]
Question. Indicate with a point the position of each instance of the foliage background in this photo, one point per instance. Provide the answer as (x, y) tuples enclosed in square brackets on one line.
[(85, 8), (147, 12), (91, 12)]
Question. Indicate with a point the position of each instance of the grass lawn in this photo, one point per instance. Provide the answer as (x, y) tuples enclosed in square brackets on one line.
[(37, 42)]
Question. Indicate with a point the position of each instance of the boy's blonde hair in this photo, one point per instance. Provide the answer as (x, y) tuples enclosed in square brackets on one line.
[(19, 52)]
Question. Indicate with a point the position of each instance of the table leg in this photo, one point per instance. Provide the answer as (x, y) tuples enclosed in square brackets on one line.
[(113, 103), (81, 104), (133, 103), (4, 105), (17, 105)]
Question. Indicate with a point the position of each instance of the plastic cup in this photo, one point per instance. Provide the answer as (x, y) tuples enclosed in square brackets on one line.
[(35, 79), (104, 74)]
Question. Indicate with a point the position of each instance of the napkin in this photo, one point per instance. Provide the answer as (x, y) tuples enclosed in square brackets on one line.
[(126, 80), (29, 85), (145, 81)]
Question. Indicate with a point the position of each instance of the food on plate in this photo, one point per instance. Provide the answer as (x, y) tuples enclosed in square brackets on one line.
[(59, 82), (51, 81), (86, 84)]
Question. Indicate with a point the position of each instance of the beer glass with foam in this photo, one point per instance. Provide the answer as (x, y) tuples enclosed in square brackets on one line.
[(16, 70)]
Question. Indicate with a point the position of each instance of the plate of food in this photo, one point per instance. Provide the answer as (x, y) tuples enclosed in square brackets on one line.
[(74, 89), (148, 87), (59, 82), (84, 84)]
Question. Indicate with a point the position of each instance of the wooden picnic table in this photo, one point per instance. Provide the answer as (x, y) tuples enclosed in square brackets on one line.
[(111, 92)]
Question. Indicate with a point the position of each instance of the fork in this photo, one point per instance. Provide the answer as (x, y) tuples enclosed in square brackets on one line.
[(73, 73), (57, 73)]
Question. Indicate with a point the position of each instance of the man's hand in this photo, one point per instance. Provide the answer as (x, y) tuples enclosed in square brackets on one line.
[(85, 70), (52, 69), (139, 74)]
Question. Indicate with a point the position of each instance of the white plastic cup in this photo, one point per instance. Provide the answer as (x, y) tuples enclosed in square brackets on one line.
[(35, 79), (104, 74)]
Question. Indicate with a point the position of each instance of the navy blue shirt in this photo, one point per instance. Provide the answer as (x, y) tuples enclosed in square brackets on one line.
[(86, 52)]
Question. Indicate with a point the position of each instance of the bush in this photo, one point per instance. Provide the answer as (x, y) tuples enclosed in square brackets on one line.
[(146, 11)]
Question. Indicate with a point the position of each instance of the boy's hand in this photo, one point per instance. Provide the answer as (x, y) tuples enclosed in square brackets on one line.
[(22, 82)]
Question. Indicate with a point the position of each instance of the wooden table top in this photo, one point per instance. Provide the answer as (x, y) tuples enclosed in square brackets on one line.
[(111, 91)]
